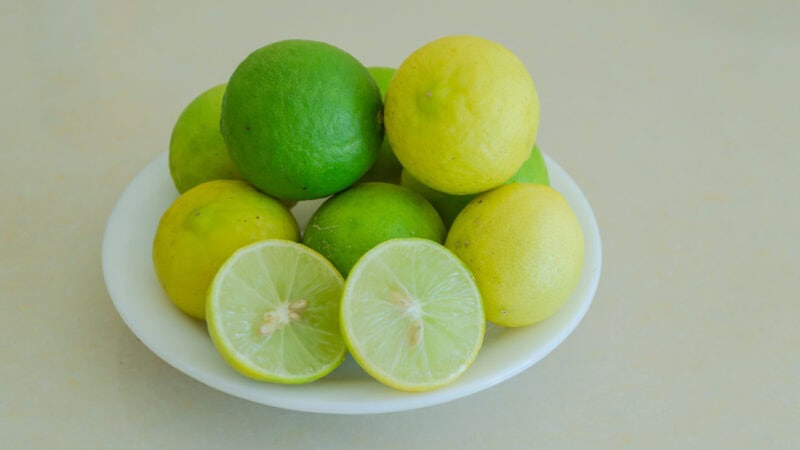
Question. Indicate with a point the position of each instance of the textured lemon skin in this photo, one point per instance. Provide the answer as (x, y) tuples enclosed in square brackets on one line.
[(203, 227), (462, 114), (525, 247)]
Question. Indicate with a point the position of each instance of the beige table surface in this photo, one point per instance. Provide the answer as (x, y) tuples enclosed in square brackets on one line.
[(680, 121)]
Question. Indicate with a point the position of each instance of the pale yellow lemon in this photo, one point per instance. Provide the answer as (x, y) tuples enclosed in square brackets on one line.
[(461, 114), (524, 245)]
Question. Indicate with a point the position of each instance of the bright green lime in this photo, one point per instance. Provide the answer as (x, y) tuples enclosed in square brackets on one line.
[(411, 314), (197, 150), (273, 312), (302, 119), (352, 222), (533, 170)]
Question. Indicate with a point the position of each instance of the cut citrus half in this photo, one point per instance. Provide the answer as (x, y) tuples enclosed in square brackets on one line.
[(411, 314), (273, 312)]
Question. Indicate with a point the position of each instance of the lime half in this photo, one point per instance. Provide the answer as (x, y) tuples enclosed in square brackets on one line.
[(273, 312), (411, 314)]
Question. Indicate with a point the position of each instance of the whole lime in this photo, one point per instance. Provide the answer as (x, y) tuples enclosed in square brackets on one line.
[(203, 227), (302, 119), (533, 170), (524, 245), (382, 76), (462, 114), (350, 223), (386, 167), (197, 151)]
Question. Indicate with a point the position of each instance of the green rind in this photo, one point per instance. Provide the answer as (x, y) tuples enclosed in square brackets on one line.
[(350, 223), (386, 167), (197, 151), (302, 119)]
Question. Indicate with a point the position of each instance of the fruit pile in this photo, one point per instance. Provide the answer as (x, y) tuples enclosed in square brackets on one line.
[(435, 212)]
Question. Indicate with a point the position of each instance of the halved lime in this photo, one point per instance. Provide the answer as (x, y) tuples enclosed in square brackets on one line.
[(273, 312), (411, 314)]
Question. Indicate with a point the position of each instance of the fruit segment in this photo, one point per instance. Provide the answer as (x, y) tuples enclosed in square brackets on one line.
[(273, 313), (412, 315)]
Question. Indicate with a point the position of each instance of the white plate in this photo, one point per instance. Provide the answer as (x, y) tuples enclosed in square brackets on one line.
[(184, 342)]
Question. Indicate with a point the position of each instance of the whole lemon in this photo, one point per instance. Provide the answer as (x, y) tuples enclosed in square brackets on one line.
[(302, 119), (203, 227), (462, 114), (524, 246), (197, 151)]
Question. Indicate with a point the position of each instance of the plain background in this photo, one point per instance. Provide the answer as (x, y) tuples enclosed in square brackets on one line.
[(680, 120)]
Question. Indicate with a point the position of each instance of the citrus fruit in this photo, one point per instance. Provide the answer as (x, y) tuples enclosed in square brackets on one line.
[(302, 119), (382, 76), (197, 152), (533, 170), (351, 222), (273, 312), (524, 245), (411, 314), (203, 227), (462, 114), (386, 167)]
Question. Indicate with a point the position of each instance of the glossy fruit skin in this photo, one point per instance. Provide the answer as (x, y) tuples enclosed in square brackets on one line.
[(203, 227), (302, 119), (525, 247), (350, 223)]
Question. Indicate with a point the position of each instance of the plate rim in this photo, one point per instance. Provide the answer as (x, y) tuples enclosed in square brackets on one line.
[(402, 401)]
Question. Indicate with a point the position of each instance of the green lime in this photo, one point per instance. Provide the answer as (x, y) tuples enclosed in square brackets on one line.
[(302, 119), (382, 76), (203, 227), (533, 170), (273, 312), (411, 314), (197, 151), (352, 222), (386, 167), (521, 284)]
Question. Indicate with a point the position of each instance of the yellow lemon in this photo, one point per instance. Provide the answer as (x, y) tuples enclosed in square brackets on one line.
[(524, 245), (203, 227), (462, 114)]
